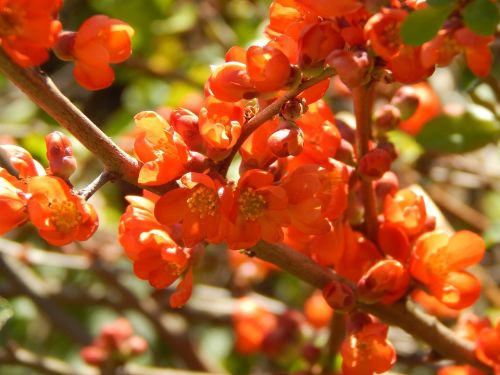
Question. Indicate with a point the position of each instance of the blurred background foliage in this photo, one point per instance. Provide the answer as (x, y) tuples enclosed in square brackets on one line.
[(175, 43)]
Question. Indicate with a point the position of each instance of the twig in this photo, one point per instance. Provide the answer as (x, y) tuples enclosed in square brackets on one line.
[(98, 183), (415, 322), (41, 257), (363, 105), (267, 113), (5, 163), (33, 288), (41, 90), (337, 334)]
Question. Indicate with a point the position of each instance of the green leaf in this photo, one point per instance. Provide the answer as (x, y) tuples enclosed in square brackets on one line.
[(6, 312), (422, 25), (458, 134), (481, 16)]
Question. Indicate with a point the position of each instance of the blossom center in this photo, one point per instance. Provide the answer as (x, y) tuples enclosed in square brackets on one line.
[(251, 204), (436, 262), (390, 36), (64, 215), (203, 201)]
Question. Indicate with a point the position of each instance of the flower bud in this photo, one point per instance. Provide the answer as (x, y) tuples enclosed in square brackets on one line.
[(339, 296), (406, 100), (390, 148), (352, 67), (374, 164), (386, 281), (387, 117), (137, 345), (64, 46), (185, 123), (293, 109), (286, 142), (60, 155), (94, 355)]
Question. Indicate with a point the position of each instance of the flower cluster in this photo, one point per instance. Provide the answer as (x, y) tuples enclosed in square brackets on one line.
[(45, 197), (28, 29)]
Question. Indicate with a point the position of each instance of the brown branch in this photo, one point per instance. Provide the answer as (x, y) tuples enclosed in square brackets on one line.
[(363, 106), (401, 314), (42, 91), (267, 113), (95, 185), (337, 335)]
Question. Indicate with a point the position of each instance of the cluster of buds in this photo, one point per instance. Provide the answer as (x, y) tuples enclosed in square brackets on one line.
[(114, 346)]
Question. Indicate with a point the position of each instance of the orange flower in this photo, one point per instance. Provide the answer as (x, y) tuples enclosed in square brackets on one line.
[(13, 201), (316, 42), (220, 123), (258, 210), (394, 242), (438, 262), (160, 148), (197, 206), (252, 323), (268, 68), (318, 313), (230, 82), (22, 161), (59, 215), (28, 28), (255, 150), (429, 106), (488, 347), (156, 256), (367, 351), (288, 17), (449, 43), (100, 41), (406, 210), (328, 8), (432, 306)]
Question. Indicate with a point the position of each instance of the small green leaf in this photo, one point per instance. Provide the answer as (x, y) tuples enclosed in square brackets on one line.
[(458, 134), (481, 16), (6, 312), (422, 25)]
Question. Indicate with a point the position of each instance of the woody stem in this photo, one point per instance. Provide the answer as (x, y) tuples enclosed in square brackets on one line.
[(95, 185), (267, 113), (41, 90), (363, 106)]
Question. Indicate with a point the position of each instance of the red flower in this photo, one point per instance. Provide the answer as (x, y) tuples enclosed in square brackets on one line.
[(59, 215), (328, 8), (13, 201), (448, 43), (268, 68), (100, 41), (258, 210), (438, 262), (220, 123), (160, 148), (156, 256), (196, 206), (230, 82), (488, 347), (406, 210), (28, 28), (367, 351)]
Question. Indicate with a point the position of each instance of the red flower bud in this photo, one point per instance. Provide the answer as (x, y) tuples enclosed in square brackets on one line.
[(387, 117), (60, 155), (339, 296), (406, 100), (64, 47), (185, 123), (386, 281), (353, 67), (374, 164), (293, 109), (286, 142)]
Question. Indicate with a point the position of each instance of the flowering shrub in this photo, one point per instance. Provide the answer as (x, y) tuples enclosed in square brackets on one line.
[(296, 150)]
